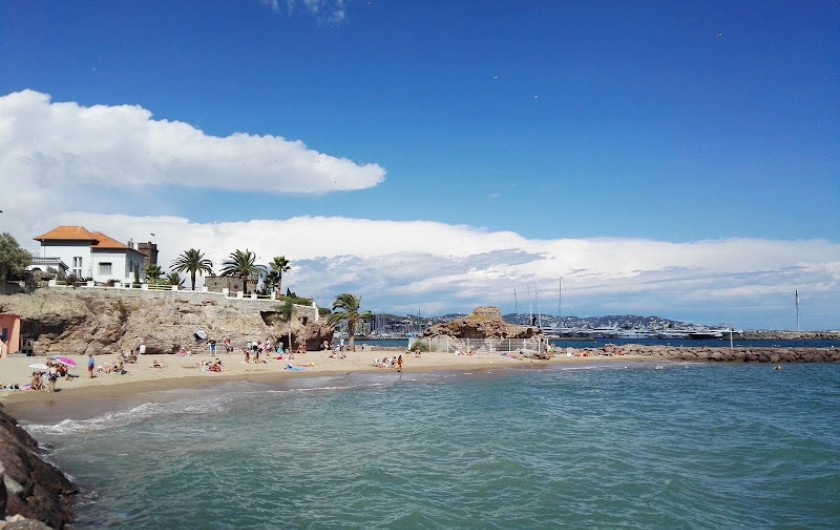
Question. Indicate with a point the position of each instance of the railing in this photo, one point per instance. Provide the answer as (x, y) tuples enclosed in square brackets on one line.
[(452, 344), (161, 289)]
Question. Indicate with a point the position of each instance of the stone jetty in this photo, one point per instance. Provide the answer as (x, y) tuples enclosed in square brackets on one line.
[(719, 354)]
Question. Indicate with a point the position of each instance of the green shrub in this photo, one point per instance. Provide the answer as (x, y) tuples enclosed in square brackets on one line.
[(420, 345)]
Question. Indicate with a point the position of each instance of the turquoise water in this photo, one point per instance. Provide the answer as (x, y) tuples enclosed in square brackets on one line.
[(668, 446)]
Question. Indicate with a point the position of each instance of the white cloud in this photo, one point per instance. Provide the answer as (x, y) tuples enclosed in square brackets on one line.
[(50, 144), (434, 267), (324, 11), (61, 163)]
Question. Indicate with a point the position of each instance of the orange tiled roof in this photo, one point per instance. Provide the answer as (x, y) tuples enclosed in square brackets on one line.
[(75, 233), (97, 240), (105, 242)]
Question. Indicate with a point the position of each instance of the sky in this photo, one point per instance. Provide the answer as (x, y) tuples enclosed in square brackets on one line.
[(678, 159)]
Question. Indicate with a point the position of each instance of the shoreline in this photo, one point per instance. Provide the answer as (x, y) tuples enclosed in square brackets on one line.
[(83, 397), (183, 373)]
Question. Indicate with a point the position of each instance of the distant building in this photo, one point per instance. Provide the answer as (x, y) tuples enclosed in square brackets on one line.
[(232, 283), (149, 250), (91, 255)]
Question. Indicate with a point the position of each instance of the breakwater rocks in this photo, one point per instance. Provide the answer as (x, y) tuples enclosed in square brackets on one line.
[(723, 354), (30, 487)]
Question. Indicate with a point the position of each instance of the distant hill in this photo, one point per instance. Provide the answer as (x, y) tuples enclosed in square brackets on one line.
[(619, 321)]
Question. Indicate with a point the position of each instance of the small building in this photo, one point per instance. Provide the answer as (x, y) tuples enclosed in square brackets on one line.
[(149, 250), (232, 283), (92, 255), (9, 334), (46, 266)]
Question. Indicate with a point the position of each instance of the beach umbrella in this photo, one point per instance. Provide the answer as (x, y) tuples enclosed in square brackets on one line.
[(66, 361), (39, 366)]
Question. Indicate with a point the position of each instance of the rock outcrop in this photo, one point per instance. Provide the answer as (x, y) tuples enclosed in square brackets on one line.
[(83, 321), (485, 322), (29, 486)]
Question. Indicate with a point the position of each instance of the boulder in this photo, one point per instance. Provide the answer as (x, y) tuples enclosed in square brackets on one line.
[(30, 486), (485, 322)]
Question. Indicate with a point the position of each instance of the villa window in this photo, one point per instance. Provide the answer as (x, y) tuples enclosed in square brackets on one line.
[(77, 266), (104, 269)]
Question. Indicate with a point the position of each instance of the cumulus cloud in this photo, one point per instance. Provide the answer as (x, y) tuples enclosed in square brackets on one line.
[(123, 146), (65, 164), (434, 267)]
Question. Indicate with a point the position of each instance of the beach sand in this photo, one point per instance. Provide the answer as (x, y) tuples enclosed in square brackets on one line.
[(84, 396)]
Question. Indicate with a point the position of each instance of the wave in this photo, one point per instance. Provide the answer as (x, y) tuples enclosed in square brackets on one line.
[(197, 403)]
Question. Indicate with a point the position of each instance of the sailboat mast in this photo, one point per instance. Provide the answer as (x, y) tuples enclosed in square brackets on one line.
[(560, 301), (797, 309)]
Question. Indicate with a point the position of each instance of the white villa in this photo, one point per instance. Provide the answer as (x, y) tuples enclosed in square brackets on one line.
[(91, 255)]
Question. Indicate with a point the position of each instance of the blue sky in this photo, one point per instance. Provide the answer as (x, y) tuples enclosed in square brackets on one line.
[(669, 158)]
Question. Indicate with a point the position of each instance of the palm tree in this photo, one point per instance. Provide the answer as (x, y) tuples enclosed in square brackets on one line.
[(153, 273), (346, 308), (192, 261), (173, 278), (242, 264), (270, 281), (278, 265)]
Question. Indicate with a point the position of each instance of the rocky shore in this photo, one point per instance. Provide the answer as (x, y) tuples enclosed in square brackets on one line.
[(722, 354), (33, 492), (99, 321)]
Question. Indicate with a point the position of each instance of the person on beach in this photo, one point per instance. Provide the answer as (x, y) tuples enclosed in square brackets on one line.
[(226, 343), (52, 376), (247, 352), (399, 363), (91, 365), (37, 382), (212, 343)]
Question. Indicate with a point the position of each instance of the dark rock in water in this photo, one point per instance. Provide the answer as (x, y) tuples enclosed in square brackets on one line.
[(31, 487), (25, 524)]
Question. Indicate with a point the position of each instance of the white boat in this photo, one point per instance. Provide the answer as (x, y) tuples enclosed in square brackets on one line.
[(635, 334)]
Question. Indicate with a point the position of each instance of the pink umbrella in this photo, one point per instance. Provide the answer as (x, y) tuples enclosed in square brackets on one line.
[(67, 361)]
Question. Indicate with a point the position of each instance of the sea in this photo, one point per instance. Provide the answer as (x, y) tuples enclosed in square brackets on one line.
[(642, 445)]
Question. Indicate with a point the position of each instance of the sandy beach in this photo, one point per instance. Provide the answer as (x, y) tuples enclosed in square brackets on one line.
[(186, 372)]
